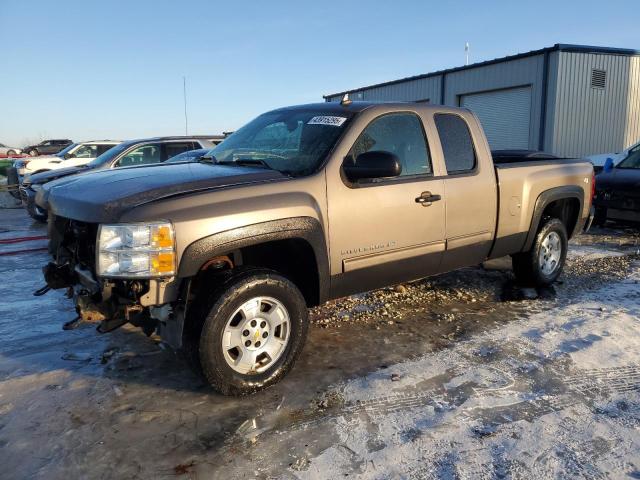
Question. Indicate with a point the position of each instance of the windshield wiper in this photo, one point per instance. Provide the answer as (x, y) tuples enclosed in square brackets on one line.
[(246, 162)]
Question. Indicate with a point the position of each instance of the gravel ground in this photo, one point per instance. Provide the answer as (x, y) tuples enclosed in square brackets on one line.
[(83, 405)]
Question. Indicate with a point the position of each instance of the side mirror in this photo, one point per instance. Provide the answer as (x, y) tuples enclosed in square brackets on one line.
[(373, 164), (67, 156), (608, 165)]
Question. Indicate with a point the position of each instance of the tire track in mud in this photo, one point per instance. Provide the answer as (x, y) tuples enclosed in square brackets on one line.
[(582, 386)]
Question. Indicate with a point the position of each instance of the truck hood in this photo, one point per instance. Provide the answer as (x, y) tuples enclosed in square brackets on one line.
[(44, 177), (104, 196)]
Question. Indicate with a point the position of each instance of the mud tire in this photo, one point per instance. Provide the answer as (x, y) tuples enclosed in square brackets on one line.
[(526, 265), (202, 342)]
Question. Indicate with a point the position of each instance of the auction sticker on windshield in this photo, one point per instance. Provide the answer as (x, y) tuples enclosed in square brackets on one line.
[(327, 120)]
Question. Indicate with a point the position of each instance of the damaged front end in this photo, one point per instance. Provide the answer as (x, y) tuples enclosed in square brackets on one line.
[(153, 304)]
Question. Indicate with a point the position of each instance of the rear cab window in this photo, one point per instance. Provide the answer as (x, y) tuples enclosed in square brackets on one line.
[(457, 143)]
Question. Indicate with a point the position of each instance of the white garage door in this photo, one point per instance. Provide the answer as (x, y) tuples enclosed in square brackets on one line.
[(504, 115)]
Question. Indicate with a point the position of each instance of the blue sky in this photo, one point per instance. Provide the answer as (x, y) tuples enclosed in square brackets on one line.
[(113, 69)]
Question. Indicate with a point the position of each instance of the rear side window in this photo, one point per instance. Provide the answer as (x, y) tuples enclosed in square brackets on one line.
[(104, 148), (175, 148), (457, 145), (399, 133)]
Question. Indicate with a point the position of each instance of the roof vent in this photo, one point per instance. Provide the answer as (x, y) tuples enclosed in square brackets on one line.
[(598, 78)]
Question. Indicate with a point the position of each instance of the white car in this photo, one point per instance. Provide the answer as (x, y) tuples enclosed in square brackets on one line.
[(8, 151), (75, 155), (599, 160)]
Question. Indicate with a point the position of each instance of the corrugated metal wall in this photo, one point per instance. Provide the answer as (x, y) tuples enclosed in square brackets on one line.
[(420, 89), (515, 73), (592, 120), (580, 120), (632, 133)]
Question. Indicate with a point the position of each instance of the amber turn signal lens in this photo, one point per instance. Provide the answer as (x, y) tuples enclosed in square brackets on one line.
[(162, 237), (163, 263)]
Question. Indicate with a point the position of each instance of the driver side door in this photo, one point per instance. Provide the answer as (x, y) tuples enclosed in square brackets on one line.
[(381, 231)]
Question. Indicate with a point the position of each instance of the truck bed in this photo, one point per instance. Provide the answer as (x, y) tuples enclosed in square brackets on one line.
[(520, 184)]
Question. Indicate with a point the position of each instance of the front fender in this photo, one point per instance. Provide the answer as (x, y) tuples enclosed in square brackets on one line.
[(305, 228)]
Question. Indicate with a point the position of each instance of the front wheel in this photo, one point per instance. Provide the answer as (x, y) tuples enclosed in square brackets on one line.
[(543, 263), (251, 332), (32, 153)]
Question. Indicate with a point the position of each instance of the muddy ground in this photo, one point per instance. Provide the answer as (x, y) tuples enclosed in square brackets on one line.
[(77, 404)]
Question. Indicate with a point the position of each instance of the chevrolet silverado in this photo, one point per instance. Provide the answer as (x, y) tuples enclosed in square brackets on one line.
[(223, 257)]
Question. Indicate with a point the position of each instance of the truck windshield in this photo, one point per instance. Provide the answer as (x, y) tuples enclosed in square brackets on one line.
[(294, 142)]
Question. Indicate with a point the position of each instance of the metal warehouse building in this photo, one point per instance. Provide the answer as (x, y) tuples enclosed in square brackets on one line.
[(570, 100)]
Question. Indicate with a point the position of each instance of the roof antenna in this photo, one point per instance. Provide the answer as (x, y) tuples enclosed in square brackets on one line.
[(346, 100)]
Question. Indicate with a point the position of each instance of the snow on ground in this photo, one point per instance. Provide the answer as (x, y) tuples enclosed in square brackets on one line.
[(486, 388), (552, 395), (591, 252)]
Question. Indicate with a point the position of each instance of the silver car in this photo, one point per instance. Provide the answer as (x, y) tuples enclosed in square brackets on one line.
[(9, 151)]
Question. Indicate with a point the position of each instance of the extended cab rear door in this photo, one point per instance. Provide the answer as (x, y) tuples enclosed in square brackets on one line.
[(384, 231), (470, 188)]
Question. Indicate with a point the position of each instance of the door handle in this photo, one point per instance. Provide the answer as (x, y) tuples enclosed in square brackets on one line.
[(426, 198)]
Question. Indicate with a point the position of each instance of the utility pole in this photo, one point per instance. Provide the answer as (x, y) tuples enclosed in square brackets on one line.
[(466, 53), (184, 93)]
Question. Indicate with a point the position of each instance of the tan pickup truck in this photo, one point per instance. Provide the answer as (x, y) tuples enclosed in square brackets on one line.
[(303, 204)]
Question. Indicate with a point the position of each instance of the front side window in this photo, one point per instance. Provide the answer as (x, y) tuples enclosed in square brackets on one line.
[(142, 155), (457, 145), (632, 160), (292, 141), (400, 134)]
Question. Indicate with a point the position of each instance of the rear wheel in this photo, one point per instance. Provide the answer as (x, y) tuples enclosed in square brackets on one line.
[(543, 263), (11, 153), (250, 333)]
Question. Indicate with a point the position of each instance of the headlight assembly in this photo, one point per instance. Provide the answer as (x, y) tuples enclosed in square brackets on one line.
[(136, 250)]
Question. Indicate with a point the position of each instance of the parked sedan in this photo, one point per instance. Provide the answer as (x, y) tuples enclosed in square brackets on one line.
[(18, 170), (75, 155), (9, 151), (618, 190), (46, 147)]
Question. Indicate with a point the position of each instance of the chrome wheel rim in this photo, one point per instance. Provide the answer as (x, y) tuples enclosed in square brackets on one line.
[(256, 335), (550, 253)]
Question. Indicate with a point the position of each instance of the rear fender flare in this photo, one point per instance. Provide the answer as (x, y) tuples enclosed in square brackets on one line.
[(547, 197)]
